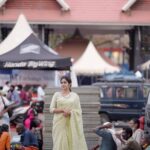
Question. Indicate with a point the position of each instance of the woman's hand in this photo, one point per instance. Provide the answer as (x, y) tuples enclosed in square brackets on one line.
[(58, 111), (67, 113)]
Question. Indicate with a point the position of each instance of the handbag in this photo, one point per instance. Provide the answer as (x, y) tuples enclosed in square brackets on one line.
[(9, 111)]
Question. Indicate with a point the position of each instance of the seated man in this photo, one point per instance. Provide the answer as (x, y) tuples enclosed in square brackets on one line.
[(128, 142), (138, 133), (28, 139)]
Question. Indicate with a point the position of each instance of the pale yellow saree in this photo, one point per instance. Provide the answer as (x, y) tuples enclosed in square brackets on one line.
[(67, 132)]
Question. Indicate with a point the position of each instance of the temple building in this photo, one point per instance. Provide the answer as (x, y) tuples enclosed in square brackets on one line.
[(55, 22)]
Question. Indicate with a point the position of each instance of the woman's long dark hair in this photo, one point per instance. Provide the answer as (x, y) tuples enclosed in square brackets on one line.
[(68, 79)]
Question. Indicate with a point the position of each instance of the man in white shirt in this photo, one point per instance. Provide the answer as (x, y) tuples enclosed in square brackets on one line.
[(4, 118), (40, 92), (6, 87), (40, 96)]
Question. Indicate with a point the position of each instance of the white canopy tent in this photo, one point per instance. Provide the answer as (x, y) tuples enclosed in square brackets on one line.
[(19, 33), (2, 2), (21, 45), (91, 63)]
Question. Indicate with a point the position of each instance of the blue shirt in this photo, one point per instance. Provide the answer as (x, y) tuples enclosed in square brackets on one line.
[(15, 97), (107, 142), (28, 139)]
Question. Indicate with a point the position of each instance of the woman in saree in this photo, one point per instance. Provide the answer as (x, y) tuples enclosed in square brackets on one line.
[(67, 131)]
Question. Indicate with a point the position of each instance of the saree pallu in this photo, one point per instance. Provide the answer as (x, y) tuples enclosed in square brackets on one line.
[(68, 131)]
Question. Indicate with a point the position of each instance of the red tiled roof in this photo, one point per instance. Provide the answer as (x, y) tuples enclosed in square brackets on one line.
[(82, 12)]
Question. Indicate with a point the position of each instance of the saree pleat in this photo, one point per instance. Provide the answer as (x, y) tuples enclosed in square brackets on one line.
[(68, 132)]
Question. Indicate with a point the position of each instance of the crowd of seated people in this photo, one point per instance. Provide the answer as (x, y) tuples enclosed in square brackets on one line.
[(130, 137)]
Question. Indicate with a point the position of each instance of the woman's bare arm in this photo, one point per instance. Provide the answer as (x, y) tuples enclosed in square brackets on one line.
[(58, 111)]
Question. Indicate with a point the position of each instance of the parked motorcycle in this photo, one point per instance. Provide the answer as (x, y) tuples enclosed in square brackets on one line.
[(18, 114)]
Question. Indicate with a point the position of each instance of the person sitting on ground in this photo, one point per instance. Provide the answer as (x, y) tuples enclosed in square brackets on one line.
[(137, 132), (5, 128), (128, 143), (107, 142), (28, 139), (4, 137), (36, 128)]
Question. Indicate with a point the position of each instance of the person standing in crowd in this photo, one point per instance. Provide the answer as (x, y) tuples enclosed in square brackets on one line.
[(14, 96), (67, 131), (4, 137), (4, 117), (29, 94), (6, 87), (128, 142), (108, 142), (23, 95), (137, 132), (28, 139), (41, 92), (41, 95)]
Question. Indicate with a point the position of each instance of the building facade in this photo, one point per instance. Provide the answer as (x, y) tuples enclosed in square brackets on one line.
[(130, 17)]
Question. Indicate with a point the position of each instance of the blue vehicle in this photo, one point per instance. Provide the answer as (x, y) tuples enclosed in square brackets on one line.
[(121, 100)]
